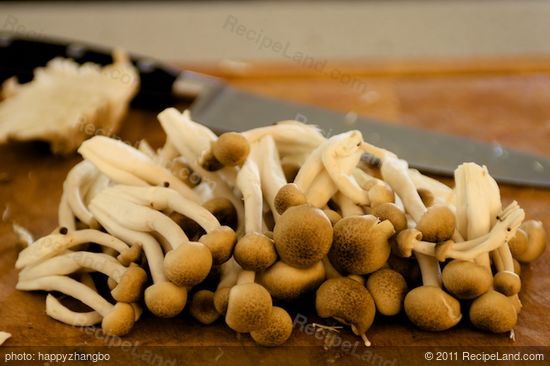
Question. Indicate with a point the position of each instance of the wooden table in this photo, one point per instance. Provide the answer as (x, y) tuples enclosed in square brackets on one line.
[(499, 101)]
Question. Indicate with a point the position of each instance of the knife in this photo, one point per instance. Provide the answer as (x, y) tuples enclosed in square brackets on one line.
[(222, 107)]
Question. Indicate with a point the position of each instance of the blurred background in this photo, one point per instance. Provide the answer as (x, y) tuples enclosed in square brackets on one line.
[(192, 31)]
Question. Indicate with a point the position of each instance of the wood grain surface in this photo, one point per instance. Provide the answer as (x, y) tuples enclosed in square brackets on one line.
[(500, 101)]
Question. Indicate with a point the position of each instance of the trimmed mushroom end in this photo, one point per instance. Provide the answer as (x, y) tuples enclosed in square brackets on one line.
[(431, 308), (493, 312), (202, 307), (220, 242), (466, 280), (346, 300), (129, 289), (507, 283), (119, 321), (288, 196), (388, 289), (188, 264), (360, 244), (438, 224), (277, 332), (255, 252), (165, 299), (249, 308), (303, 236)]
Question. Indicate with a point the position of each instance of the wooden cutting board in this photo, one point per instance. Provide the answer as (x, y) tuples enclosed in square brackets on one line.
[(499, 101)]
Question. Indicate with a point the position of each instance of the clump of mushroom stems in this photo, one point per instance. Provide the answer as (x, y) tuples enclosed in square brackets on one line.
[(137, 214)]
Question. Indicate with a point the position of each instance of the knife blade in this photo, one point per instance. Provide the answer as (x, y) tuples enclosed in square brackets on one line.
[(222, 107)]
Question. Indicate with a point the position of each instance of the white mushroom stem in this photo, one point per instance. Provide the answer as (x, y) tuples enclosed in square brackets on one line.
[(65, 214), (347, 207), (4, 336), (69, 287), (340, 158), (127, 165), (442, 193), (79, 176), (321, 190), (229, 273), (272, 176), (151, 248), (54, 244), (60, 312), (166, 153), (100, 183), (311, 168), (430, 270), (145, 148), (290, 136), (73, 261)]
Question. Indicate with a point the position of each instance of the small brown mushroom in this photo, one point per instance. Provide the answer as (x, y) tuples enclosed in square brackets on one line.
[(519, 243), (388, 289), (493, 312), (287, 283), (231, 149), (431, 308), (202, 307), (347, 301), (360, 244), (536, 239), (507, 283), (390, 211), (255, 252), (303, 236), (437, 224), (278, 330), (165, 300), (288, 196), (466, 279)]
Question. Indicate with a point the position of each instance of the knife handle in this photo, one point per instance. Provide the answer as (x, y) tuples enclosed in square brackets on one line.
[(19, 56)]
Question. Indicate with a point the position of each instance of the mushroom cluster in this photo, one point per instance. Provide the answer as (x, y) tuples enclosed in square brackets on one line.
[(245, 224)]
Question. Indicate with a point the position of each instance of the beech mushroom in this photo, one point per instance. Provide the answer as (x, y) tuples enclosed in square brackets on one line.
[(388, 289), (229, 272), (493, 312), (163, 298), (288, 283), (277, 332), (126, 165), (347, 301), (255, 252), (230, 149), (390, 211), (466, 279), (288, 196), (303, 236), (202, 307), (130, 280), (360, 244), (59, 312), (536, 241), (519, 243), (74, 187), (117, 320), (54, 244)]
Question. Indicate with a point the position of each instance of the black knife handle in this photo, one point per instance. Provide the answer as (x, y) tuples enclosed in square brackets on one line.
[(19, 56)]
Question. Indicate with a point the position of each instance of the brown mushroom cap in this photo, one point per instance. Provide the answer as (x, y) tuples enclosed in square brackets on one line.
[(493, 312), (288, 196), (437, 224), (536, 237), (519, 243), (231, 149), (388, 289), (222, 208), (360, 244), (119, 321), (507, 283), (255, 252), (130, 287), (390, 211), (333, 216), (188, 264), (202, 307), (221, 299), (132, 254), (466, 280), (303, 236), (165, 300), (278, 330), (248, 308), (348, 300), (380, 193), (287, 283), (220, 242), (431, 308)]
